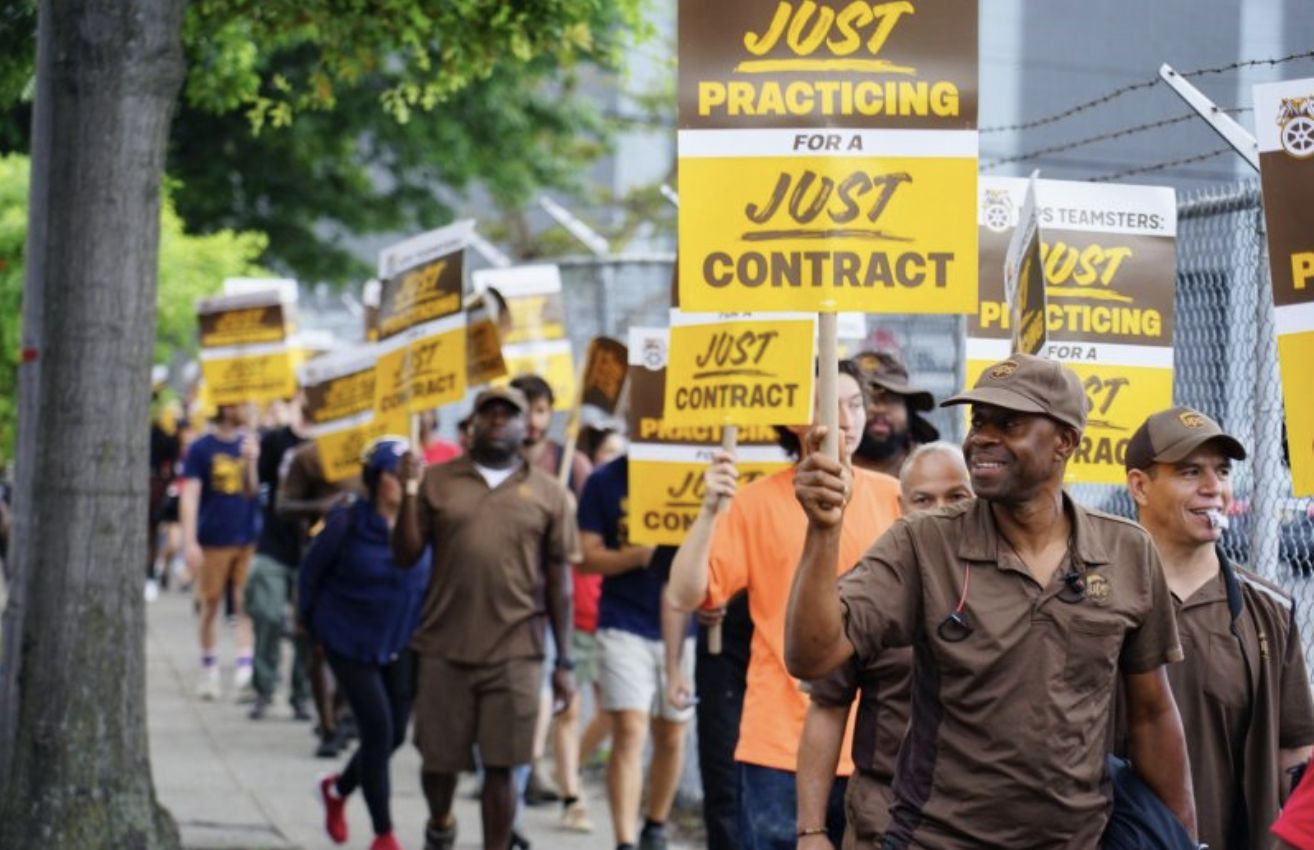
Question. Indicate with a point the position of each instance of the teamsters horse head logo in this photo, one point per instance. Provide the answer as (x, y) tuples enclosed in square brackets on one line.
[(654, 354), (1296, 118), (997, 210), (1192, 420)]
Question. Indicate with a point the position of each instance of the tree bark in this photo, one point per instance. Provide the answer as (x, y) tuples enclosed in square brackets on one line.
[(74, 757)]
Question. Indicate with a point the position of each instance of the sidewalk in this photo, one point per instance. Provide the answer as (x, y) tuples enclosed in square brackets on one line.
[(236, 784)]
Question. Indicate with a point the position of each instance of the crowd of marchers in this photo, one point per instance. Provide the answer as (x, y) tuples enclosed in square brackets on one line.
[(915, 644)]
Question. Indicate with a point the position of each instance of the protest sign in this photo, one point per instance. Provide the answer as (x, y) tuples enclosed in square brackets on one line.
[(421, 322), (1024, 279), (536, 342), (605, 368), (1284, 119), (484, 362), (740, 368), (828, 155), (246, 352), (1110, 262), (667, 461), (339, 391)]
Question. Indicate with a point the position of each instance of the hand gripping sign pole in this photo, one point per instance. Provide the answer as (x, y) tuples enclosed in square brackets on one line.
[(729, 442)]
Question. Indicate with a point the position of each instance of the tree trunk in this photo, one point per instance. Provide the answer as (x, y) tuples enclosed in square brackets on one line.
[(76, 765)]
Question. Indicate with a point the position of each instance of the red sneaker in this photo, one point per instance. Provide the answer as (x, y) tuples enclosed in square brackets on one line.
[(385, 842), (335, 809)]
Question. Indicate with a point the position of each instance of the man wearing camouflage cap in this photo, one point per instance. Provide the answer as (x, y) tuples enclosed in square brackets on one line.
[(1242, 691), (894, 424), (1024, 610)]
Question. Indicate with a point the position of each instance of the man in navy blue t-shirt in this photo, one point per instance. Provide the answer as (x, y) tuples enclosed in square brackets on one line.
[(219, 510), (633, 674)]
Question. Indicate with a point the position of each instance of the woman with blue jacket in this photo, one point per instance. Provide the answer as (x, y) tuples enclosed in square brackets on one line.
[(364, 608)]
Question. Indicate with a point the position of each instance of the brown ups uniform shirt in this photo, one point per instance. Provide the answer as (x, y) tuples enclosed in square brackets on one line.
[(883, 690), (1009, 726), (487, 595), (1243, 694)]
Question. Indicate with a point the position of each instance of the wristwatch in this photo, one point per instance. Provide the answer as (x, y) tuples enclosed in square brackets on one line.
[(564, 663)]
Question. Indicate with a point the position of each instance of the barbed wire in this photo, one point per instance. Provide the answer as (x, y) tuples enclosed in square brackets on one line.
[(1138, 86), (1160, 166), (1104, 137)]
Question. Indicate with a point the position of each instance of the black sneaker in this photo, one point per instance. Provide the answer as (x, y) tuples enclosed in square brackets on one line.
[(329, 747), (259, 706), (653, 838), (518, 841), (440, 839)]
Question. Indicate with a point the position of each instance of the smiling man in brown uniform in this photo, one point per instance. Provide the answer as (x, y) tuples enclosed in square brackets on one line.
[(1243, 691), (503, 536), (1022, 609)]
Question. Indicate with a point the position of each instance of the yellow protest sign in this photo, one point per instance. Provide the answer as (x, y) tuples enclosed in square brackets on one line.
[(667, 461), (1285, 132), (740, 369), (246, 353), (535, 343), (1024, 279), (828, 156), (421, 322), (339, 390), (483, 354), (1110, 261)]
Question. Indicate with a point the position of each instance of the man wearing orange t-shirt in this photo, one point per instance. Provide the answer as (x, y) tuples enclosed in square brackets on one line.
[(755, 546)]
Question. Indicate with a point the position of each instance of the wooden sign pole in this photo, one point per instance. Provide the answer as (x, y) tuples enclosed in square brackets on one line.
[(828, 381)]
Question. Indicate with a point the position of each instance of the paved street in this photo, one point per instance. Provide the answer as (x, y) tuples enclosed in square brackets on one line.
[(233, 783)]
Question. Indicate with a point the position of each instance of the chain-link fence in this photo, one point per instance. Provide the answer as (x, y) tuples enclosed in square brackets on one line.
[(1225, 364)]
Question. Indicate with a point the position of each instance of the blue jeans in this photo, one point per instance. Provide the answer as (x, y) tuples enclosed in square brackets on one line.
[(768, 809)]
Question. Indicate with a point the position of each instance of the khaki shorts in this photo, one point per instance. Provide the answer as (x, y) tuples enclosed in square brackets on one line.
[(459, 706), (634, 674), (219, 565), (587, 656), (867, 803)]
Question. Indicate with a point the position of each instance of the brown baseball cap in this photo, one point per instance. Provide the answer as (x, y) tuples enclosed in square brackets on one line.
[(1030, 384), (1170, 435), (887, 371), (510, 395)]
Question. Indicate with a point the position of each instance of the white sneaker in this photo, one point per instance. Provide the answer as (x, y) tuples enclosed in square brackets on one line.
[(242, 683), (207, 686), (152, 590)]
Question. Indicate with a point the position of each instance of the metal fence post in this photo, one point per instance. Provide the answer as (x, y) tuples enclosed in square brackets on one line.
[(1267, 447)]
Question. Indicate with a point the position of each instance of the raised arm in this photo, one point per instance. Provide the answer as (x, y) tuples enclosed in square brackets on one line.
[(815, 642), (687, 588), (1157, 744), (407, 539)]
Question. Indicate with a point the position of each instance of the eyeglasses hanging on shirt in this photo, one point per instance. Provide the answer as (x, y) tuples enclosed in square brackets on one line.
[(957, 625)]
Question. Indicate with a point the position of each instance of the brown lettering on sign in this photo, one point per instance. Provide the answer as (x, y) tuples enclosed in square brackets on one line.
[(812, 197)]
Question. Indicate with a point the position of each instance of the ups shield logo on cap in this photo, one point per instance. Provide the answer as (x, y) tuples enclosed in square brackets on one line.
[(1003, 370), (1192, 420)]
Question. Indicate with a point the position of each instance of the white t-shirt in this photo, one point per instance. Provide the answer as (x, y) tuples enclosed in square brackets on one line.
[(495, 477)]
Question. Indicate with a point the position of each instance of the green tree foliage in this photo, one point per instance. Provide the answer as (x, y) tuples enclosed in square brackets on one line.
[(191, 267), (317, 121)]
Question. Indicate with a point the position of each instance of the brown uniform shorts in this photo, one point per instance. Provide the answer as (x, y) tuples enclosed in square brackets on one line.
[(459, 706), (218, 566)]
